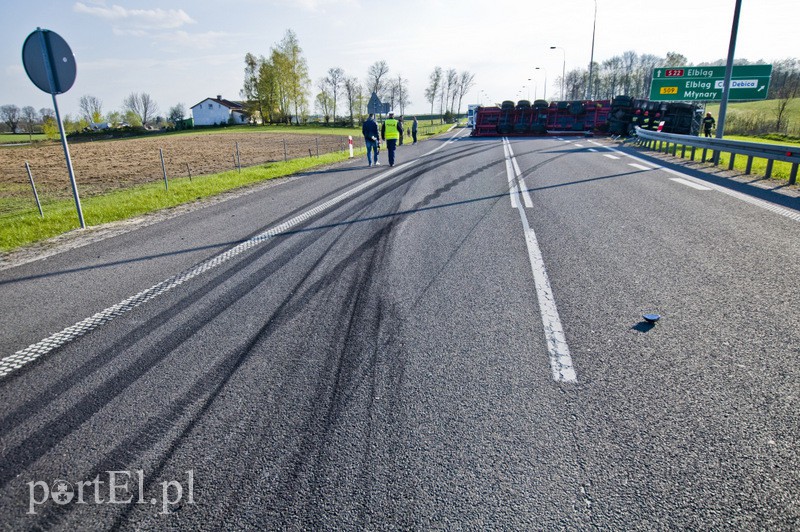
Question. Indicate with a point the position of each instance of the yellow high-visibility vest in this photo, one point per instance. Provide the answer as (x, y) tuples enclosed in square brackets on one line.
[(391, 129)]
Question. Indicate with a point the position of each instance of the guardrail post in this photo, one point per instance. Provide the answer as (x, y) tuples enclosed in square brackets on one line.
[(703, 157), (683, 151), (693, 150), (730, 163), (768, 173), (793, 175), (749, 165), (674, 150)]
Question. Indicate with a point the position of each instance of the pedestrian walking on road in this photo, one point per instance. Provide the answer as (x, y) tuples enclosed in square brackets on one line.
[(708, 123), (414, 130), (390, 134), (371, 139)]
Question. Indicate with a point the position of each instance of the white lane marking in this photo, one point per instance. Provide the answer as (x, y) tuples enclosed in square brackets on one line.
[(592, 150), (688, 183), (596, 143), (512, 183), (772, 207), (610, 156), (526, 196), (641, 166), (557, 348), (579, 145), (11, 363)]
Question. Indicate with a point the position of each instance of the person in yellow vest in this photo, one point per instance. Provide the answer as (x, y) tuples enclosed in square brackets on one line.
[(390, 133)]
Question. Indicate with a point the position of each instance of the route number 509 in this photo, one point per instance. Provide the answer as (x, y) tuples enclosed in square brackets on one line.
[(668, 90)]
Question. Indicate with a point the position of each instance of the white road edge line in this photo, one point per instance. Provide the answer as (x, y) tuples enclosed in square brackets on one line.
[(772, 207), (12, 363), (558, 350), (512, 183)]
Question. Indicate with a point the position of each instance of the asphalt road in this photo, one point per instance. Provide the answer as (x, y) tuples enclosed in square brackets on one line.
[(417, 347)]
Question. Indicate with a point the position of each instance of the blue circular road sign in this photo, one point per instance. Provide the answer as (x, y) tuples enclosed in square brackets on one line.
[(49, 61)]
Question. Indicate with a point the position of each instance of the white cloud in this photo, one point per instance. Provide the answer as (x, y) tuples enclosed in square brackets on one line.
[(143, 19), (200, 41)]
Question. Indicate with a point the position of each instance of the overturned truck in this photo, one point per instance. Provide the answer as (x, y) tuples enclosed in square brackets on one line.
[(585, 117)]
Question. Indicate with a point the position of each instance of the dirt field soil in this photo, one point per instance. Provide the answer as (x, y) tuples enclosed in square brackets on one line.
[(101, 166)]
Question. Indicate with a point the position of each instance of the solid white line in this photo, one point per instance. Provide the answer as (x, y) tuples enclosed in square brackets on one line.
[(11, 363), (557, 348), (640, 166), (526, 196), (512, 183), (596, 143), (610, 156), (688, 183)]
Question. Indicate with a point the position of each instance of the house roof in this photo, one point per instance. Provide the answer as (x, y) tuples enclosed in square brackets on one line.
[(234, 106)]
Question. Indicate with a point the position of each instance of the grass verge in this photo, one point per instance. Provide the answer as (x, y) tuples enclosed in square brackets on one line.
[(22, 228)]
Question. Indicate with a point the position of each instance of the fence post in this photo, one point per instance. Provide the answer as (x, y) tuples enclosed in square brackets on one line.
[(316, 140), (33, 186), (163, 168), (238, 159), (285, 153), (189, 171)]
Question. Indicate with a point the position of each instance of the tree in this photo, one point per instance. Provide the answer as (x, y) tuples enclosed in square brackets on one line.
[(142, 106), (785, 95), (451, 86), (434, 84), (466, 81), (295, 72), (176, 113), (352, 91), (29, 117), (334, 82), (46, 112), (91, 108), (114, 118), (376, 78), (10, 115), (401, 88)]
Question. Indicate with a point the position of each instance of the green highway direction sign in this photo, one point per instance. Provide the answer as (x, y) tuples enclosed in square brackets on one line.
[(748, 82)]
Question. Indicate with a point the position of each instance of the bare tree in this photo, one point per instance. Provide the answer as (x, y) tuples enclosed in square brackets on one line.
[(352, 91), (176, 113), (29, 117), (401, 85), (11, 116), (465, 82), (451, 85), (91, 108), (324, 100), (434, 86), (141, 105), (334, 80), (375, 78)]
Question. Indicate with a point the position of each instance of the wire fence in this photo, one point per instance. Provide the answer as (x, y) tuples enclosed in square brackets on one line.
[(104, 166)]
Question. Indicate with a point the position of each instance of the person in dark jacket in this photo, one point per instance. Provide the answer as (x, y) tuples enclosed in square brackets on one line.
[(708, 123), (414, 130), (371, 139)]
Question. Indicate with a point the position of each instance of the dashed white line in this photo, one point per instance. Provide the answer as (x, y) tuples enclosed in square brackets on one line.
[(610, 156), (579, 145), (592, 150), (640, 166), (11, 363), (688, 183)]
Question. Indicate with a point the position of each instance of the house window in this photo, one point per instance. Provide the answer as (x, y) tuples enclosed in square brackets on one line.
[(210, 106)]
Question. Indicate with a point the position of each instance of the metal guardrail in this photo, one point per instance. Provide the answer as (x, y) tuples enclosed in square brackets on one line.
[(771, 152)]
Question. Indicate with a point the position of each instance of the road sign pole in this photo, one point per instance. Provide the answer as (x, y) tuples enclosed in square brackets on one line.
[(46, 56), (726, 86)]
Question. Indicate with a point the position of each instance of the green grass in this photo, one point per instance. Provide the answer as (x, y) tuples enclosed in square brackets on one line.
[(759, 116), (25, 227), (7, 138), (780, 170), (20, 223)]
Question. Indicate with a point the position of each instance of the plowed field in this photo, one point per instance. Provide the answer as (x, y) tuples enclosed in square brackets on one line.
[(101, 166)]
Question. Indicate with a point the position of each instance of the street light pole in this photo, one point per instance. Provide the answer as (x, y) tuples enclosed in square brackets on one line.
[(545, 81), (726, 84), (563, 69), (591, 59)]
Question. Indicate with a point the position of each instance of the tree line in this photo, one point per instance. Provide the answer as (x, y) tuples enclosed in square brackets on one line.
[(631, 74), (277, 88), (139, 109)]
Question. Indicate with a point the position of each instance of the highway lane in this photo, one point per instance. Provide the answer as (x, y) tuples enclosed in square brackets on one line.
[(384, 362)]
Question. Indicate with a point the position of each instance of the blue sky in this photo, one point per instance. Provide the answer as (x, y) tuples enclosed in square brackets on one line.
[(185, 51)]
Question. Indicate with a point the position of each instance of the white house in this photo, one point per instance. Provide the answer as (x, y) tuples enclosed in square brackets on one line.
[(215, 111)]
